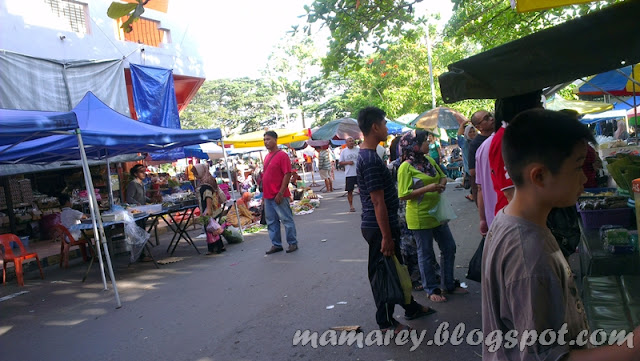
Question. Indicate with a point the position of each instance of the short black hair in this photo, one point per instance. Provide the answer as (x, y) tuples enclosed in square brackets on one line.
[(421, 135), (507, 108), (271, 134), (63, 199), (135, 169), (368, 116), (543, 136)]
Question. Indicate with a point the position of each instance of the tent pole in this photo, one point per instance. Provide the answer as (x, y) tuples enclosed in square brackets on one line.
[(233, 194), (95, 215), (87, 179), (635, 105), (109, 182)]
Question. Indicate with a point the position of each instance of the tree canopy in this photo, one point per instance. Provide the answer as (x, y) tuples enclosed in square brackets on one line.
[(236, 105)]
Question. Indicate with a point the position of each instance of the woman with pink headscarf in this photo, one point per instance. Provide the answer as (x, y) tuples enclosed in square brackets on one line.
[(210, 199)]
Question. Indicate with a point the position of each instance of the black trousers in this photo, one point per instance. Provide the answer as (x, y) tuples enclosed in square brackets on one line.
[(384, 313)]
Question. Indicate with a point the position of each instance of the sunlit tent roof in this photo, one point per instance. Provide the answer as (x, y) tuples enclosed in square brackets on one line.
[(581, 106), (105, 132), (598, 117), (592, 44), (615, 82), (19, 125), (256, 139)]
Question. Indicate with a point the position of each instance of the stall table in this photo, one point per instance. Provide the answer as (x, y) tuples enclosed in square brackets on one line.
[(596, 261)]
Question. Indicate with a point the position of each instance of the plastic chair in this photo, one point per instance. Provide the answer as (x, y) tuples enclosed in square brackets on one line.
[(9, 256), (62, 234)]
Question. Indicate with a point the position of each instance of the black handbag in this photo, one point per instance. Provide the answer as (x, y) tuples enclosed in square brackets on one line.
[(474, 272), (385, 283)]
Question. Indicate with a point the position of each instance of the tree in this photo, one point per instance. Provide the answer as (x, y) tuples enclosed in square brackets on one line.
[(490, 23), (356, 25), (290, 68), (360, 25), (236, 105)]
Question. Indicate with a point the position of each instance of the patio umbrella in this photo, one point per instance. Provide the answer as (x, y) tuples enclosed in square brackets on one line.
[(395, 127), (440, 117), (406, 119), (338, 129)]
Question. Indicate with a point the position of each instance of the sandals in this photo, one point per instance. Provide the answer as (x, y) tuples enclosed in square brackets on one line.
[(422, 312), (352, 209), (437, 296), (469, 197), (418, 288), (396, 329)]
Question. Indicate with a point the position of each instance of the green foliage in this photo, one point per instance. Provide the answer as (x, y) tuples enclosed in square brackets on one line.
[(490, 23), (376, 23), (240, 105), (117, 10), (355, 25), (290, 70)]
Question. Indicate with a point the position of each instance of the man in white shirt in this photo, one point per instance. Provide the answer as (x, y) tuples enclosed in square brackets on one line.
[(348, 159)]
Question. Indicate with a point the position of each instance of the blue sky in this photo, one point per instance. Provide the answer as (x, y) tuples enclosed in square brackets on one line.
[(236, 37)]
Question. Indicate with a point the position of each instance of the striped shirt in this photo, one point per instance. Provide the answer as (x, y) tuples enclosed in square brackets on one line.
[(373, 175), (324, 160)]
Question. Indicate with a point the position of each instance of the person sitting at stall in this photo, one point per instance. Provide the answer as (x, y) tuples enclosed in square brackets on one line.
[(210, 199), (135, 192), (69, 216), (246, 216)]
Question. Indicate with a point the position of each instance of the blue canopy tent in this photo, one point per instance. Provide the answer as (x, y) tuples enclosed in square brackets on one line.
[(612, 82), (18, 125), (105, 133)]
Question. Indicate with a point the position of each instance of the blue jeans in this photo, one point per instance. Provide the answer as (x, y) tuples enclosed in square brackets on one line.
[(424, 241), (276, 213)]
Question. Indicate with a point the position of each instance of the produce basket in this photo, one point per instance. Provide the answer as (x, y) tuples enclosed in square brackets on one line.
[(597, 218)]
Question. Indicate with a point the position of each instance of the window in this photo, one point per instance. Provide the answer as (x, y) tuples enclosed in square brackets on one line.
[(145, 31), (72, 14)]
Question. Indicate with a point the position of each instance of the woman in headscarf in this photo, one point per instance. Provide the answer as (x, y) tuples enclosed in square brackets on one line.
[(420, 182), (621, 131), (210, 199), (246, 217)]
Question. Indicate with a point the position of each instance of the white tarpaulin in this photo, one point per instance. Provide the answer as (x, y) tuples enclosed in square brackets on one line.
[(31, 83)]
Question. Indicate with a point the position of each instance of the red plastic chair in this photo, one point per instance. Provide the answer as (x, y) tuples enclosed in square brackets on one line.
[(62, 234), (9, 256)]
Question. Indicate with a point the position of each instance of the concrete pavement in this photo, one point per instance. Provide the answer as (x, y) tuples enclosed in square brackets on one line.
[(241, 305)]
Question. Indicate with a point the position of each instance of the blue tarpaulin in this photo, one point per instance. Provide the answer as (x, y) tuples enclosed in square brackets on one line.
[(154, 98), (21, 125), (611, 81), (105, 132)]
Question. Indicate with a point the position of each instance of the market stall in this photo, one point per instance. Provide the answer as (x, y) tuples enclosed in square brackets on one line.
[(105, 133), (574, 50)]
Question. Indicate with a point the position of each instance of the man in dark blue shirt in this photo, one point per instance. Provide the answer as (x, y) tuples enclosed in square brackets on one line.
[(380, 227)]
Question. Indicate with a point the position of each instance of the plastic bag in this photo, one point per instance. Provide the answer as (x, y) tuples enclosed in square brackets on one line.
[(443, 211), (233, 235), (474, 272), (405, 279), (385, 283), (135, 236)]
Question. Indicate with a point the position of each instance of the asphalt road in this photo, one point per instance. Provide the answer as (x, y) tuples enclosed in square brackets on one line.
[(241, 305)]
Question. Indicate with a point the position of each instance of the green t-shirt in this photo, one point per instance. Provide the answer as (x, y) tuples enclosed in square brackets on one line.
[(434, 152), (418, 216)]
